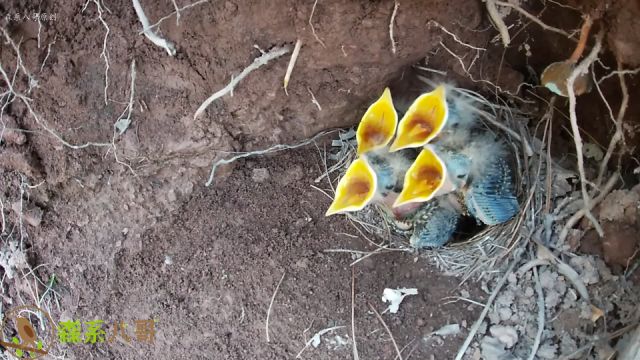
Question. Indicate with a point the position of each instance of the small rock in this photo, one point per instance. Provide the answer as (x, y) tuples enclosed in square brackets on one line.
[(505, 313), (528, 292), (260, 175), (547, 351), (492, 348), (507, 335)]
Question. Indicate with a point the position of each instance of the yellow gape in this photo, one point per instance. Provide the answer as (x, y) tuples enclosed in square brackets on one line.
[(356, 188), (378, 124), (423, 121), (423, 179)]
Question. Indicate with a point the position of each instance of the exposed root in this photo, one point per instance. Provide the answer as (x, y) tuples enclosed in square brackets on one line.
[(313, 29), (176, 13), (580, 69), (292, 64), (391, 22), (278, 147), (532, 18), (105, 53), (257, 63), (314, 100), (618, 135), (497, 21), (149, 33)]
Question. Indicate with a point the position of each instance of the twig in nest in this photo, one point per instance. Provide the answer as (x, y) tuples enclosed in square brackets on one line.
[(573, 220), (353, 314), (393, 19), (292, 63), (495, 17), (532, 18), (149, 33), (313, 30), (580, 69), (541, 310), (105, 53), (277, 147), (176, 12), (271, 305), (485, 311), (384, 324), (257, 63), (618, 135)]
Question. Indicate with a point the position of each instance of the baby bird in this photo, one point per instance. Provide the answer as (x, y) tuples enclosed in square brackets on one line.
[(424, 120), (435, 222), (489, 195), (376, 176)]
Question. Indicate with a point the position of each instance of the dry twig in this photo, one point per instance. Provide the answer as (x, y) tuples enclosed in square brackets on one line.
[(393, 19), (271, 305), (313, 30), (384, 324), (353, 314), (485, 311), (292, 64), (257, 63)]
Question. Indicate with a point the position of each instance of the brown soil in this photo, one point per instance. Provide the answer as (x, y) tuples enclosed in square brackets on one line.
[(105, 231)]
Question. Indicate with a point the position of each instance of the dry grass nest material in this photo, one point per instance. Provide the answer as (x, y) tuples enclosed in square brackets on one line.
[(485, 249)]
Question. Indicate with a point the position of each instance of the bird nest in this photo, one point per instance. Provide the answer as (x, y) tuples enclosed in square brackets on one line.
[(472, 253)]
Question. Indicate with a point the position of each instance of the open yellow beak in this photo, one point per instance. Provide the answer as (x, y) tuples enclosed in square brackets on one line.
[(378, 124), (356, 188), (424, 178), (423, 121)]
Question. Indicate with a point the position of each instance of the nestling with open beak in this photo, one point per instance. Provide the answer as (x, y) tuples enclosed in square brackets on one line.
[(376, 176)]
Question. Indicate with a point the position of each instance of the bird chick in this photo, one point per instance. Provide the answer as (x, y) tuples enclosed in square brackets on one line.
[(437, 114), (435, 222), (436, 171), (490, 191), (423, 121), (377, 175)]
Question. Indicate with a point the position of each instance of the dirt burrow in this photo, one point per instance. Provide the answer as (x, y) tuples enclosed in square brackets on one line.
[(105, 230)]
